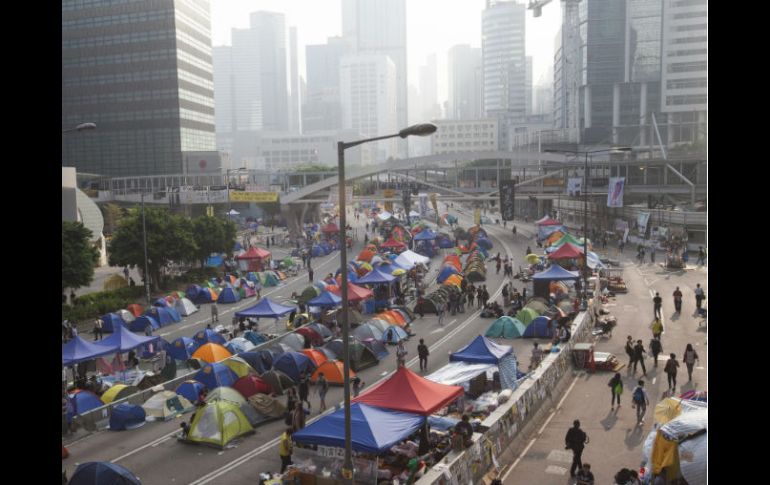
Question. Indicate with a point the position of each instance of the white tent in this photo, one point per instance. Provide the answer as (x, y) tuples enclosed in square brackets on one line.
[(691, 429), (409, 258), (126, 315), (166, 404), (385, 215), (455, 373), (185, 307)]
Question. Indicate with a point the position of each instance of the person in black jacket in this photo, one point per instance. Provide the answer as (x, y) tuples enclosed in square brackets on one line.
[(575, 440), (638, 357), (423, 353)]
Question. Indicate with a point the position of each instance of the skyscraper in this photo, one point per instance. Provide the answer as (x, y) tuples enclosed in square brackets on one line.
[(465, 82), (379, 27), (295, 118), (368, 93), (503, 53), (429, 107), (322, 109), (142, 71)]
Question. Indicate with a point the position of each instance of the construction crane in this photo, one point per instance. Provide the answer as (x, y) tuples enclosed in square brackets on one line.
[(537, 6)]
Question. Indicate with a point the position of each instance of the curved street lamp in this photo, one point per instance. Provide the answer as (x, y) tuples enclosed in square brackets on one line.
[(81, 127)]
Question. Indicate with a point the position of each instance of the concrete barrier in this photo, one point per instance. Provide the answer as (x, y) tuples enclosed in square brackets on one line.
[(505, 424)]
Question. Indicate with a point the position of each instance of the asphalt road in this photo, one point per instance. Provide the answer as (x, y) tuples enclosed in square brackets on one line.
[(156, 457)]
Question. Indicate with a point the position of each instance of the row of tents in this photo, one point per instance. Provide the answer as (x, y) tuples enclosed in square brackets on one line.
[(535, 320)]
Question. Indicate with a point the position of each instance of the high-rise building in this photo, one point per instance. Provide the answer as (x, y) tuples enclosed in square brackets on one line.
[(465, 82), (684, 82), (368, 92), (322, 109), (295, 118), (224, 88), (528, 86), (504, 61), (379, 27), (142, 71), (429, 107)]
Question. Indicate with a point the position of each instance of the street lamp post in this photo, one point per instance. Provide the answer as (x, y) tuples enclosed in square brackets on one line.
[(585, 206), (418, 130), (146, 270)]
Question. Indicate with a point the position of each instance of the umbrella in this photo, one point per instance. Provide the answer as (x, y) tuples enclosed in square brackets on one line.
[(532, 258)]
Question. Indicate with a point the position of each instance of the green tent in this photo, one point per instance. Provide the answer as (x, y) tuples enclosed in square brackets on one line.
[(269, 279), (242, 292), (505, 327), (526, 315), (288, 261), (218, 423), (227, 394), (308, 294), (537, 304), (361, 357), (567, 238)]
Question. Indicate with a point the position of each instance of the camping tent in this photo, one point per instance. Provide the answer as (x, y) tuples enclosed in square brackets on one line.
[(126, 416), (254, 337), (229, 295), (164, 405), (377, 347), (482, 351), (254, 359), (217, 423), (126, 315), (240, 366), (160, 302), (505, 327), (325, 299), (81, 401), (278, 381), (394, 334), (316, 356), (409, 258), (226, 393), (117, 392), (102, 473), (355, 293), (135, 309), (527, 315), (367, 331), (238, 345), (293, 364), (376, 277), (215, 375), (293, 341), (250, 385), (208, 335), (425, 235), (211, 353), (333, 371), (373, 430), (315, 338), (141, 323), (190, 390), (79, 350), (540, 327), (379, 323), (111, 321), (123, 340), (407, 391), (265, 308), (185, 307), (446, 272), (360, 355), (205, 295), (165, 315), (183, 348)]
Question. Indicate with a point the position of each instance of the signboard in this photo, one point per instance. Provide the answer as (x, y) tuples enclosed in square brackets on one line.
[(641, 220), (196, 195), (388, 194), (507, 188), (615, 192), (239, 196), (574, 186)]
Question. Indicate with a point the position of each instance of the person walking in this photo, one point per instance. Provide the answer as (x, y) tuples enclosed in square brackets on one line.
[(657, 303), (323, 388), (125, 272), (616, 387), (479, 297), (575, 440), (310, 274), (700, 295), (291, 401), (440, 312), (423, 353), (304, 390), (678, 300), (401, 354), (98, 326), (357, 384), (498, 265), (641, 401), (214, 312), (656, 348), (701, 256), (638, 357), (652, 253), (285, 449), (657, 328), (298, 418), (670, 369), (485, 295), (690, 356), (630, 351)]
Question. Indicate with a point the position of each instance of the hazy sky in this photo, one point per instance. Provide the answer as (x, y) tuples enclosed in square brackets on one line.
[(433, 26)]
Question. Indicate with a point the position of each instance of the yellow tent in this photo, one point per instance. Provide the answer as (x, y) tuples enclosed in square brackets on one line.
[(454, 280), (532, 259), (118, 391), (218, 423), (240, 367)]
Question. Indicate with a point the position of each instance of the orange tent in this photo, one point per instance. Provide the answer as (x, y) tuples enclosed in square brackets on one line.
[(318, 357), (211, 353), (454, 260), (365, 255), (387, 317), (399, 318), (333, 372), (553, 238), (136, 310), (453, 280)]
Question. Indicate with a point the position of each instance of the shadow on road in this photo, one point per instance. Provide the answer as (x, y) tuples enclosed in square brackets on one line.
[(609, 421), (634, 437), (675, 317)]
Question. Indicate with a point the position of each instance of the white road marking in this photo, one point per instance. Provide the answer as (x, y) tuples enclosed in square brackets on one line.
[(440, 329), (560, 455), (151, 443), (557, 470)]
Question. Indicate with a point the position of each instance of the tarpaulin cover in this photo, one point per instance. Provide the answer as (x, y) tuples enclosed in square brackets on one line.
[(455, 373), (376, 277), (326, 299), (215, 375), (446, 272), (409, 392), (254, 337), (374, 430), (555, 273), (102, 473), (79, 350), (547, 221), (239, 345), (124, 340), (265, 308), (481, 351), (392, 243), (183, 348), (409, 258)]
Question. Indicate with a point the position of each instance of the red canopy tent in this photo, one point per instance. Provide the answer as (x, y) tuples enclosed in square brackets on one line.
[(355, 292), (566, 251), (407, 391), (252, 260), (330, 227)]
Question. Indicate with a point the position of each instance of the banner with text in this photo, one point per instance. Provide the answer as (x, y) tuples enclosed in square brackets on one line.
[(615, 192), (238, 196), (574, 186), (641, 221)]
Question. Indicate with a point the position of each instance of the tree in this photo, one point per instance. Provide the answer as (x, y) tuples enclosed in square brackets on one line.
[(78, 255), (212, 235), (113, 213), (169, 239)]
